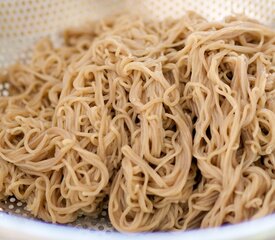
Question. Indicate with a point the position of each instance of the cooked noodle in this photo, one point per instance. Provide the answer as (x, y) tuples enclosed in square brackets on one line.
[(172, 121)]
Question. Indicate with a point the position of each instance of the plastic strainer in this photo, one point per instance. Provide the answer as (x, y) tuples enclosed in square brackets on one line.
[(23, 22)]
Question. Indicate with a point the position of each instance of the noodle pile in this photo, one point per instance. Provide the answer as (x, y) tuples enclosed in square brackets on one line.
[(172, 122)]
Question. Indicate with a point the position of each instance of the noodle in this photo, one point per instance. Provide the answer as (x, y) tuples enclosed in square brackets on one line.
[(171, 121)]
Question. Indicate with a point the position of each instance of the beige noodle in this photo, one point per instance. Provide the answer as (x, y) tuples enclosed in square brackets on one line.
[(172, 121)]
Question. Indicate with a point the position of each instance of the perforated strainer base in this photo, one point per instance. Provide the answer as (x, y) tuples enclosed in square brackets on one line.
[(23, 22), (100, 222)]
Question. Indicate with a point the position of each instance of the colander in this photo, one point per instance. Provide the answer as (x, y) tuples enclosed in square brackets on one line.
[(23, 22)]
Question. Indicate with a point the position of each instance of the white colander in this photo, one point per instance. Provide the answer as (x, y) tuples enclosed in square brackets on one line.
[(23, 22)]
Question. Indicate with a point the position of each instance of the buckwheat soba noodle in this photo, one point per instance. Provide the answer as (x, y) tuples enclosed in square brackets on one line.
[(173, 122)]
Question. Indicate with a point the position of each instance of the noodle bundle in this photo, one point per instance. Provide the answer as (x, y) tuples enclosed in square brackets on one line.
[(171, 121)]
